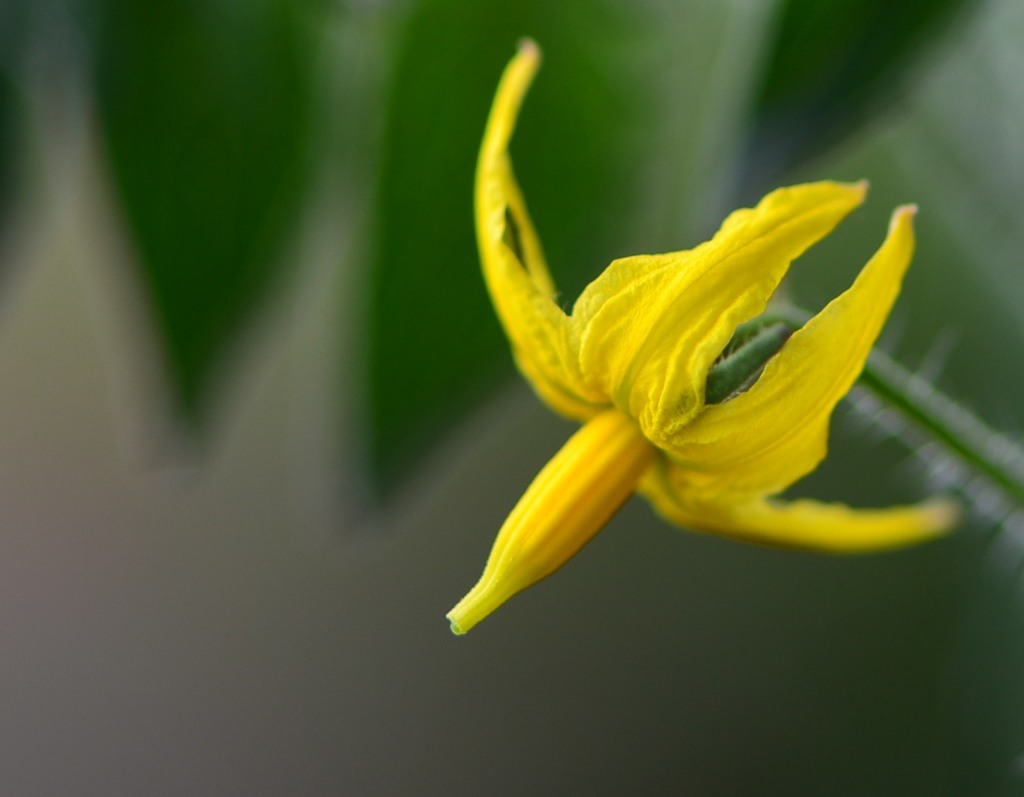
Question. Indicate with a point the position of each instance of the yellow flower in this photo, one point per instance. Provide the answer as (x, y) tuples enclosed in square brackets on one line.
[(633, 360)]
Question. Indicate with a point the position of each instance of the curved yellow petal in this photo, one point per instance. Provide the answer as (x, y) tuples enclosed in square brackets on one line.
[(804, 524), (765, 439), (514, 269), (649, 328)]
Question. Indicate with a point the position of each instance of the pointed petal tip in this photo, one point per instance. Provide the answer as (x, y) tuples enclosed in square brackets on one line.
[(943, 514), (907, 212), (861, 187), (528, 48)]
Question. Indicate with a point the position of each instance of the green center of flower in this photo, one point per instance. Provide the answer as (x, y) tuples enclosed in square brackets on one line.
[(741, 362)]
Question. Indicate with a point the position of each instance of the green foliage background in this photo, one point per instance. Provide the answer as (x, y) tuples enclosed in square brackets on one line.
[(236, 241)]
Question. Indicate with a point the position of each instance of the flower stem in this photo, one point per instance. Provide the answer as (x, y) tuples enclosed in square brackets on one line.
[(973, 442)]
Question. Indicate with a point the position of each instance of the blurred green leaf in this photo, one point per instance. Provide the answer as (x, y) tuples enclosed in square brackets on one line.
[(13, 38), (831, 65), (435, 344), (9, 111), (13, 30), (205, 109)]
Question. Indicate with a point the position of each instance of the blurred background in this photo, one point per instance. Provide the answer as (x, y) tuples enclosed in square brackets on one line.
[(259, 424)]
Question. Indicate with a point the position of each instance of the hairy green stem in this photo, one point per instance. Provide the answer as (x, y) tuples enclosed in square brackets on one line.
[(973, 442)]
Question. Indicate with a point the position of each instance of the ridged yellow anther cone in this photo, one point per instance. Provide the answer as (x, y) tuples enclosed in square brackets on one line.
[(566, 505)]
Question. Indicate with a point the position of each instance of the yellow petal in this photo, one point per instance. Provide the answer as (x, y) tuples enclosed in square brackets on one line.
[(513, 262), (805, 524), (650, 326), (571, 499), (765, 439)]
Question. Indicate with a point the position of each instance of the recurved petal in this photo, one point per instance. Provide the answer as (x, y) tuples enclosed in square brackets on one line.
[(765, 439), (804, 524), (649, 328), (513, 263)]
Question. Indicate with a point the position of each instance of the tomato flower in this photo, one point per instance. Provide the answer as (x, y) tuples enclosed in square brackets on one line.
[(683, 395)]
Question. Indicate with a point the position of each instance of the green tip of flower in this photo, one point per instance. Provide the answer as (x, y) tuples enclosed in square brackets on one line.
[(743, 360), (478, 603)]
